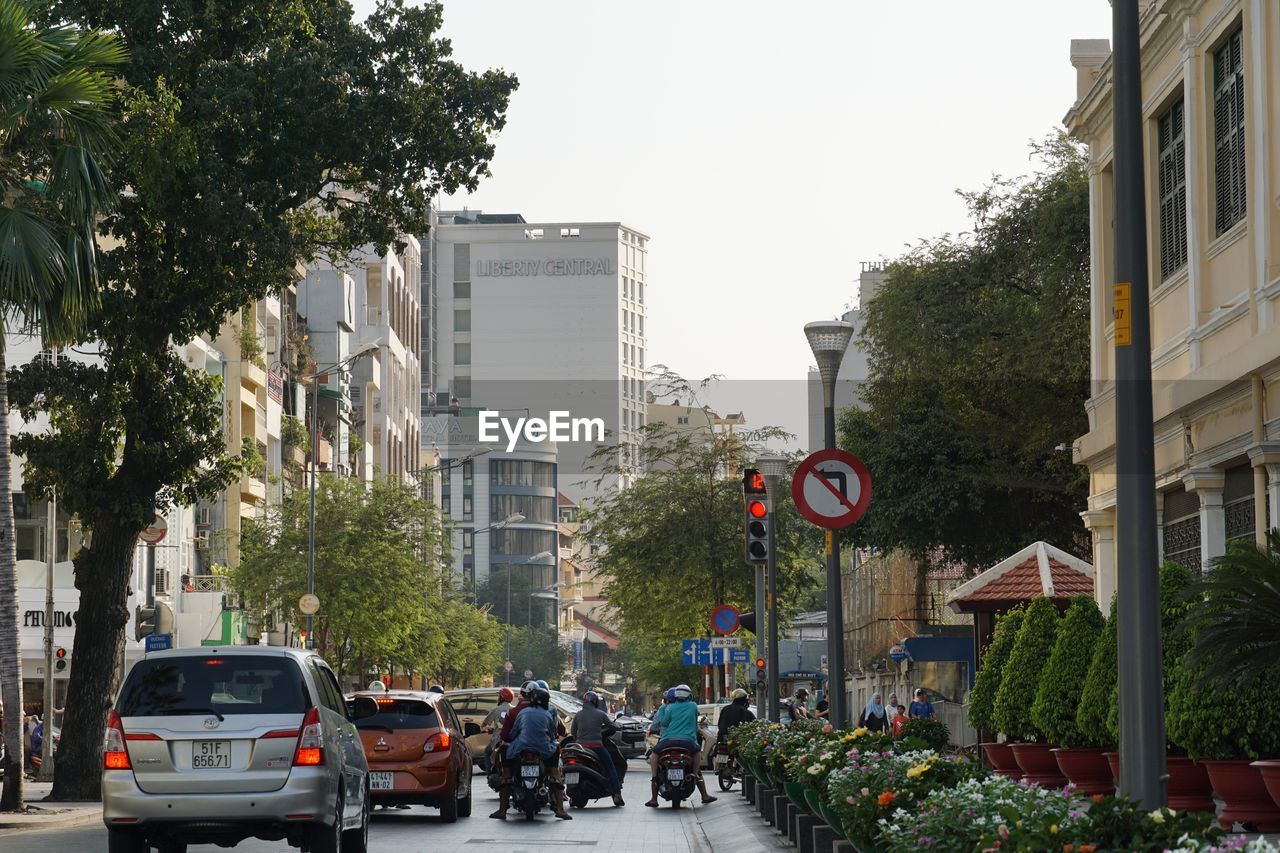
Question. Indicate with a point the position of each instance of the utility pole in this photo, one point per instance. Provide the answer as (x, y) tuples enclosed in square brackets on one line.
[(51, 557), (1142, 738), (773, 468)]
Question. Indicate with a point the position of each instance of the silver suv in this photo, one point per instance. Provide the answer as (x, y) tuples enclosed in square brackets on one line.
[(215, 745)]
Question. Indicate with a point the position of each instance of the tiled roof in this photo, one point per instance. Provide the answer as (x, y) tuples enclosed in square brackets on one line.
[(564, 500), (1037, 570)]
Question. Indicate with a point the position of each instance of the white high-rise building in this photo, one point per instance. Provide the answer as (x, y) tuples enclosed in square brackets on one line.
[(531, 318)]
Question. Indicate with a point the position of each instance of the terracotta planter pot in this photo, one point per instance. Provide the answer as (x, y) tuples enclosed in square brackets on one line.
[(1113, 761), (1270, 771), (1240, 787), (1038, 765), (1000, 757), (1189, 788), (1087, 769)]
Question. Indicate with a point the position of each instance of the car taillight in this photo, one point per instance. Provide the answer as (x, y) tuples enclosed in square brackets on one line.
[(114, 754), (439, 740), (310, 752)]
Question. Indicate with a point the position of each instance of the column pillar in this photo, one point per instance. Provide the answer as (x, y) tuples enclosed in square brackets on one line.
[(1102, 524), (1160, 527), (1265, 458), (1208, 483)]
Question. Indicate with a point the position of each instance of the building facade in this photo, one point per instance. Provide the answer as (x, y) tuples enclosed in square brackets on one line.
[(1211, 106), (532, 318)]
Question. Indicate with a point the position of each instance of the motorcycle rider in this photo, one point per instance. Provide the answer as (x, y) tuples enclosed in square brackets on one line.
[(493, 723), (500, 750), (734, 714), (589, 729), (535, 731), (678, 722)]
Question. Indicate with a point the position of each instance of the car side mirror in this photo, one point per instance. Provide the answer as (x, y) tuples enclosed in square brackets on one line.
[(469, 729), (361, 708)]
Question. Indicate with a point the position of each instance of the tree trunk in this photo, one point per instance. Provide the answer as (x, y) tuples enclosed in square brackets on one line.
[(10, 650), (103, 577)]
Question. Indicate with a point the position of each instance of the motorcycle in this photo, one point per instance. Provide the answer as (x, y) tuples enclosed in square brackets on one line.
[(677, 777), (530, 790), (727, 769), (584, 778)]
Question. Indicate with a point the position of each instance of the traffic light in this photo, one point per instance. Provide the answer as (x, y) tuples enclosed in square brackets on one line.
[(757, 524), (747, 621), (144, 621), (61, 663), (753, 482), (760, 671)]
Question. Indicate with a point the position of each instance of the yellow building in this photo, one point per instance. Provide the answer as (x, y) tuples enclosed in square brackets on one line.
[(1211, 109)]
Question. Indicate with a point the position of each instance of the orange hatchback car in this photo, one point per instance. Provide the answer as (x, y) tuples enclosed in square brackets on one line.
[(415, 749)]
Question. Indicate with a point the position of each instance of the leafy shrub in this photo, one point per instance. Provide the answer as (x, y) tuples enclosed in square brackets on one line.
[(873, 784), (1054, 710), (1094, 717), (1200, 723), (934, 734), (812, 766), (1021, 677), (788, 744), (982, 700), (293, 433), (1116, 823), (749, 740)]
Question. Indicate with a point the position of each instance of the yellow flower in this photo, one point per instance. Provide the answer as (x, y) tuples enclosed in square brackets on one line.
[(1053, 830), (860, 731), (917, 771), (1157, 815)]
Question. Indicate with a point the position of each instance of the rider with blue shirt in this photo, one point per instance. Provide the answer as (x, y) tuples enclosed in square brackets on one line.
[(678, 722)]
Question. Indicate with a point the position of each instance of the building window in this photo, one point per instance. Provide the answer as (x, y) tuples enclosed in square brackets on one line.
[(1181, 533), (468, 473), (536, 509), (1173, 191), (462, 387), (1228, 130), (626, 321), (467, 511), (468, 543), (1237, 500), (462, 321), (516, 472), (462, 353), (462, 290), (510, 541)]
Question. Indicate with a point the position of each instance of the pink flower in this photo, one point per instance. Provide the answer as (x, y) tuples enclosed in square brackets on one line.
[(850, 799), (1003, 830), (866, 792), (828, 729)]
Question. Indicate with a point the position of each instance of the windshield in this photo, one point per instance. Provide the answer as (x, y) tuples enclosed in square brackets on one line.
[(565, 702), (396, 714), (223, 685)]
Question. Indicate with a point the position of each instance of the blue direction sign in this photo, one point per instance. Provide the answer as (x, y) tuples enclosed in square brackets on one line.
[(701, 653), (159, 642), (739, 656)]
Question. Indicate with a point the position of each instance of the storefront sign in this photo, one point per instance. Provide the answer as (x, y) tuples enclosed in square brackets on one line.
[(35, 619)]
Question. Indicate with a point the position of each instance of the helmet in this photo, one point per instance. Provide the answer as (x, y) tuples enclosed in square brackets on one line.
[(543, 684), (377, 686), (526, 689), (738, 694), (681, 693), (540, 697), (670, 695), (802, 692), (505, 694), (436, 688), (591, 698)]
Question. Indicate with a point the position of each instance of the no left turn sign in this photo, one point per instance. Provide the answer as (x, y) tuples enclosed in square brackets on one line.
[(831, 488)]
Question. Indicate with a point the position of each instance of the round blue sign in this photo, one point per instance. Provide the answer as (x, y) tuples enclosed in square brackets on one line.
[(724, 619)]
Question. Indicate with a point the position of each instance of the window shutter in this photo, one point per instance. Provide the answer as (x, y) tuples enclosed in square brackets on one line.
[(1172, 172), (1228, 132)]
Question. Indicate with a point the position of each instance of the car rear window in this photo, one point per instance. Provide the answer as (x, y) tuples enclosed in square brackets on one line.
[(396, 714), (227, 684)]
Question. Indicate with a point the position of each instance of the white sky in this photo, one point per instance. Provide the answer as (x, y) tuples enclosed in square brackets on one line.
[(766, 148)]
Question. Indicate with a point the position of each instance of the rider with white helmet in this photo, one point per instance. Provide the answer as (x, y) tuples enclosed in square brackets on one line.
[(678, 722)]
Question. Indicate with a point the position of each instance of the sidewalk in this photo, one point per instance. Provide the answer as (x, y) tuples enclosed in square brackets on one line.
[(42, 815), (732, 825)]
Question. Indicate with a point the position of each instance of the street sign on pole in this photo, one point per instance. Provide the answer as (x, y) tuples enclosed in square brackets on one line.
[(726, 642), (528, 673), (831, 488), (309, 604), (739, 656), (724, 619), (159, 642), (154, 534)]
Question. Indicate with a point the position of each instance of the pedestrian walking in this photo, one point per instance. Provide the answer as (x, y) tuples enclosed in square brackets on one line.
[(921, 707), (874, 717)]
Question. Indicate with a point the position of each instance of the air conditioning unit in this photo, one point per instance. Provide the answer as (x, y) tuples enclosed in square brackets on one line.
[(202, 540), (202, 516), (357, 395)]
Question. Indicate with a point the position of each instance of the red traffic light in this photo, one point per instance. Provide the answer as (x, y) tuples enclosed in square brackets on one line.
[(760, 663), (757, 509), (752, 482), (60, 654)]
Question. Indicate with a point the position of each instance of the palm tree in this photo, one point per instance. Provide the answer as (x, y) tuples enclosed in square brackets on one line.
[(1234, 615), (57, 98)]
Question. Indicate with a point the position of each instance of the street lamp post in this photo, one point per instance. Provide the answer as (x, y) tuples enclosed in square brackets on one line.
[(535, 558), (829, 339), (551, 592), (367, 349), (774, 469)]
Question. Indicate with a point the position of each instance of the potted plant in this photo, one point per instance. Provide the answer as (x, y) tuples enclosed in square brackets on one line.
[(1188, 787), (1018, 686), (1058, 696), (983, 698), (1222, 702), (1098, 694)]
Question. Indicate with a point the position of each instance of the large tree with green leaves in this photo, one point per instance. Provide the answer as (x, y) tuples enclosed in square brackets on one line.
[(376, 577), (258, 134), (673, 541), (979, 354), (57, 132)]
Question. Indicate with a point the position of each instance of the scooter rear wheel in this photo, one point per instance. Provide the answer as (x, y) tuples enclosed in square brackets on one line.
[(726, 781)]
